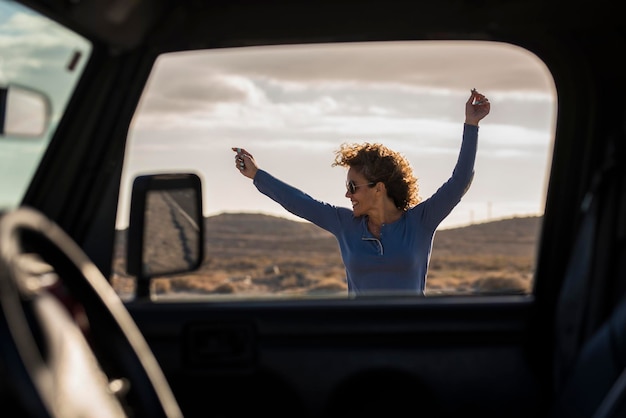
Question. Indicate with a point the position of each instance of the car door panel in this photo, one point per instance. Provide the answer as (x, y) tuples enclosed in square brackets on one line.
[(430, 353)]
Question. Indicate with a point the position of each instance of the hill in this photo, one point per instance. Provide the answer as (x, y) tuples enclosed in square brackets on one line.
[(257, 233), (512, 236), (507, 237)]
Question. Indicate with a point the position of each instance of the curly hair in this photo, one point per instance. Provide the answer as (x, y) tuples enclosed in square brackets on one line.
[(378, 163)]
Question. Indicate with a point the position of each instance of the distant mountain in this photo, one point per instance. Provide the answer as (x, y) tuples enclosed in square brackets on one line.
[(254, 222), (512, 236), (258, 233), (246, 224), (516, 236)]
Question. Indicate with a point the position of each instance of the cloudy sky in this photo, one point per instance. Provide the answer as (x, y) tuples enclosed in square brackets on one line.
[(292, 106)]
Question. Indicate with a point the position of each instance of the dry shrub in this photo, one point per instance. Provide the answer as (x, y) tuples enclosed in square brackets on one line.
[(191, 283), (328, 286), (123, 285), (448, 285), (480, 262), (501, 284), (225, 289), (161, 286), (290, 281)]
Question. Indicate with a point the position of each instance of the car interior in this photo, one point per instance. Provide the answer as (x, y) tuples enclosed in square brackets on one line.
[(142, 276)]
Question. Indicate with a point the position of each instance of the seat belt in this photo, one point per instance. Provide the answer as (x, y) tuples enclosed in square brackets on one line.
[(573, 302), (596, 384), (613, 404)]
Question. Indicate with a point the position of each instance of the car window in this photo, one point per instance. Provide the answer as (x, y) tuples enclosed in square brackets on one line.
[(38, 56), (292, 106)]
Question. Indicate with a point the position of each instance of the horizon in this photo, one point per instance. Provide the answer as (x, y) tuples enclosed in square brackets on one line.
[(300, 220)]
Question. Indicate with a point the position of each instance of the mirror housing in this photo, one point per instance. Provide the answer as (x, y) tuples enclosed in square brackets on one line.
[(166, 227), (24, 112)]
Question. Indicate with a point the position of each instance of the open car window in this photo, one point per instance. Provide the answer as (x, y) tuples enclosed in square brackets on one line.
[(292, 106)]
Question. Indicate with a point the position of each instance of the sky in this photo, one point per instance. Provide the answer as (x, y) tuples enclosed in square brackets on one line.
[(292, 106)]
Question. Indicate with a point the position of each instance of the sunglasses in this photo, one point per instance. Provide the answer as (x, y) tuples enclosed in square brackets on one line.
[(352, 187)]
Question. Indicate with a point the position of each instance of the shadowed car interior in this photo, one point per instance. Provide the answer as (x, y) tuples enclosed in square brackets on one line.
[(141, 277)]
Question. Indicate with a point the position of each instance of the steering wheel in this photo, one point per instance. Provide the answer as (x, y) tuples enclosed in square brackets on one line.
[(59, 365)]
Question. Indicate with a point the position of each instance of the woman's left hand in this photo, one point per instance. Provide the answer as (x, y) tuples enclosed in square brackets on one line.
[(476, 108)]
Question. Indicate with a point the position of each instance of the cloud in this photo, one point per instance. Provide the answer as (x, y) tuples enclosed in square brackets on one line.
[(422, 63), (433, 67)]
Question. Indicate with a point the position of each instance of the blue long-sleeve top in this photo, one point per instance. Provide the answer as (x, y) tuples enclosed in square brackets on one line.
[(398, 260)]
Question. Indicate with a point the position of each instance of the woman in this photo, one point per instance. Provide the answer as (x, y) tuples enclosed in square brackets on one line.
[(386, 238)]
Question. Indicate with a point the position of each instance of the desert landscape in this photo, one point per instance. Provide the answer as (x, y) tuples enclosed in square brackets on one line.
[(251, 255)]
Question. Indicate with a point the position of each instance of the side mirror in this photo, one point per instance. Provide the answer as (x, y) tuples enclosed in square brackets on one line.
[(166, 227), (24, 112)]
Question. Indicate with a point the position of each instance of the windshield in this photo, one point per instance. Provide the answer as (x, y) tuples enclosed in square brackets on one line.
[(38, 55)]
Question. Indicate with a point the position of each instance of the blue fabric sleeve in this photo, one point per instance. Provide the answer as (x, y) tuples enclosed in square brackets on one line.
[(441, 203), (297, 202)]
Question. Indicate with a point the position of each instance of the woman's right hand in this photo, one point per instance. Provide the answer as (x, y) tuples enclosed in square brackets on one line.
[(244, 162)]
